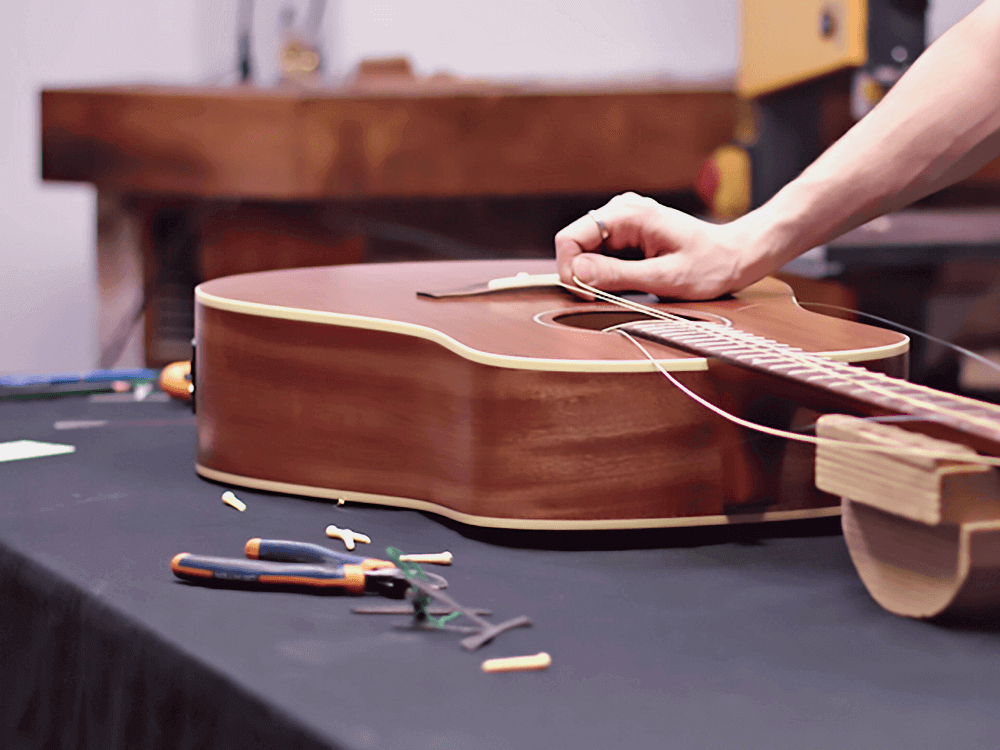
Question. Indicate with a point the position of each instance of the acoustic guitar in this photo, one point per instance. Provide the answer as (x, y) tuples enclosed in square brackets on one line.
[(513, 408)]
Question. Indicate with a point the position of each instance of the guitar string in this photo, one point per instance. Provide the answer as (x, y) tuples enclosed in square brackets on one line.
[(966, 458), (817, 364), (812, 363), (944, 404), (868, 386), (815, 440), (952, 397), (913, 332)]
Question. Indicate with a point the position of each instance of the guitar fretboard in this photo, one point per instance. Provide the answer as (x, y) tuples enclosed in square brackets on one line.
[(772, 357)]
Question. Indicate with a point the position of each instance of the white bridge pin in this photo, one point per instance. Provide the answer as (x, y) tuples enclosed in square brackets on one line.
[(347, 536)]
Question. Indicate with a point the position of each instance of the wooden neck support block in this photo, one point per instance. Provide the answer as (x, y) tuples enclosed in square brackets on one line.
[(923, 533)]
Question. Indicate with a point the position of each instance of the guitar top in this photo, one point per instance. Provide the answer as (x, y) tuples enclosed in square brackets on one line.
[(533, 328)]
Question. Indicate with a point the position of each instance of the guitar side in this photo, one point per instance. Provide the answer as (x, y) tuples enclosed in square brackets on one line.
[(498, 410)]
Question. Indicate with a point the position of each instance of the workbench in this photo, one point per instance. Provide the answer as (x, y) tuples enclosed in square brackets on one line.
[(745, 636), (199, 182)]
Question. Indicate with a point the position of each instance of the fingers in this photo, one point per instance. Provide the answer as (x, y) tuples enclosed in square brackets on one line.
[(616, 225), (629, 221), (677, 275), (582, 236), (686, 258), (614, 275)]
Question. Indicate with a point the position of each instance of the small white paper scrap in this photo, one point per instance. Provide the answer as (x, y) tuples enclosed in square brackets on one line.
[(15, 450)]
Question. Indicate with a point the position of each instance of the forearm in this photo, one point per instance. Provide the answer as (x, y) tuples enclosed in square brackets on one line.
[(938, 125)]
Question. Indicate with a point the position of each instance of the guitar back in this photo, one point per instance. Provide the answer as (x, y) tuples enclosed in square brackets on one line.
[(509, 409)]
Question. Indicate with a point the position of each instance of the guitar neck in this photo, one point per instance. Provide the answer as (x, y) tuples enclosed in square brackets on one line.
[(965, 415)]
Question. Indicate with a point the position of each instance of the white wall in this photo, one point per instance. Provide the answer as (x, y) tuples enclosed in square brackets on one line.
[(943, 14), (47, 232), (687, 39), (502, 38)]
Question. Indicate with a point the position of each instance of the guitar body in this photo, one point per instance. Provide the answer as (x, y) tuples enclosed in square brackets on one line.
[(510, 409)]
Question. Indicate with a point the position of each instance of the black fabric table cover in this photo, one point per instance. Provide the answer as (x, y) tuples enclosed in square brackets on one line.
[(716, 638)]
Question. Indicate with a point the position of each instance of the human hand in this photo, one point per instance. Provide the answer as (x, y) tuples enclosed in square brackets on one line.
[(685, 257)]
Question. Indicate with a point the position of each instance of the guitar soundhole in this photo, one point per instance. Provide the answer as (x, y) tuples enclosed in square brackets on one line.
[(597, 320)]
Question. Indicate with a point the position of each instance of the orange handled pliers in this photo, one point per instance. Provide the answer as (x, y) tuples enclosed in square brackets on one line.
[(279, 563)]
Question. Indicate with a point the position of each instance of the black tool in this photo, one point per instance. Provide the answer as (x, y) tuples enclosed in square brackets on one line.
[(422, 591)]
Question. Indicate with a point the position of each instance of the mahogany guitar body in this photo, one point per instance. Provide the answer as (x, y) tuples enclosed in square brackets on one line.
[(510, 409)]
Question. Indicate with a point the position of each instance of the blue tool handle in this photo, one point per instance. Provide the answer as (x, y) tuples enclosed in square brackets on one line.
[(282, 550), (204, 569)]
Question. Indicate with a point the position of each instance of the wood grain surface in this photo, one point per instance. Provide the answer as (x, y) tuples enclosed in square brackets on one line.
[(923, 532), (519, 324), (435, 139), (341, 382)]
